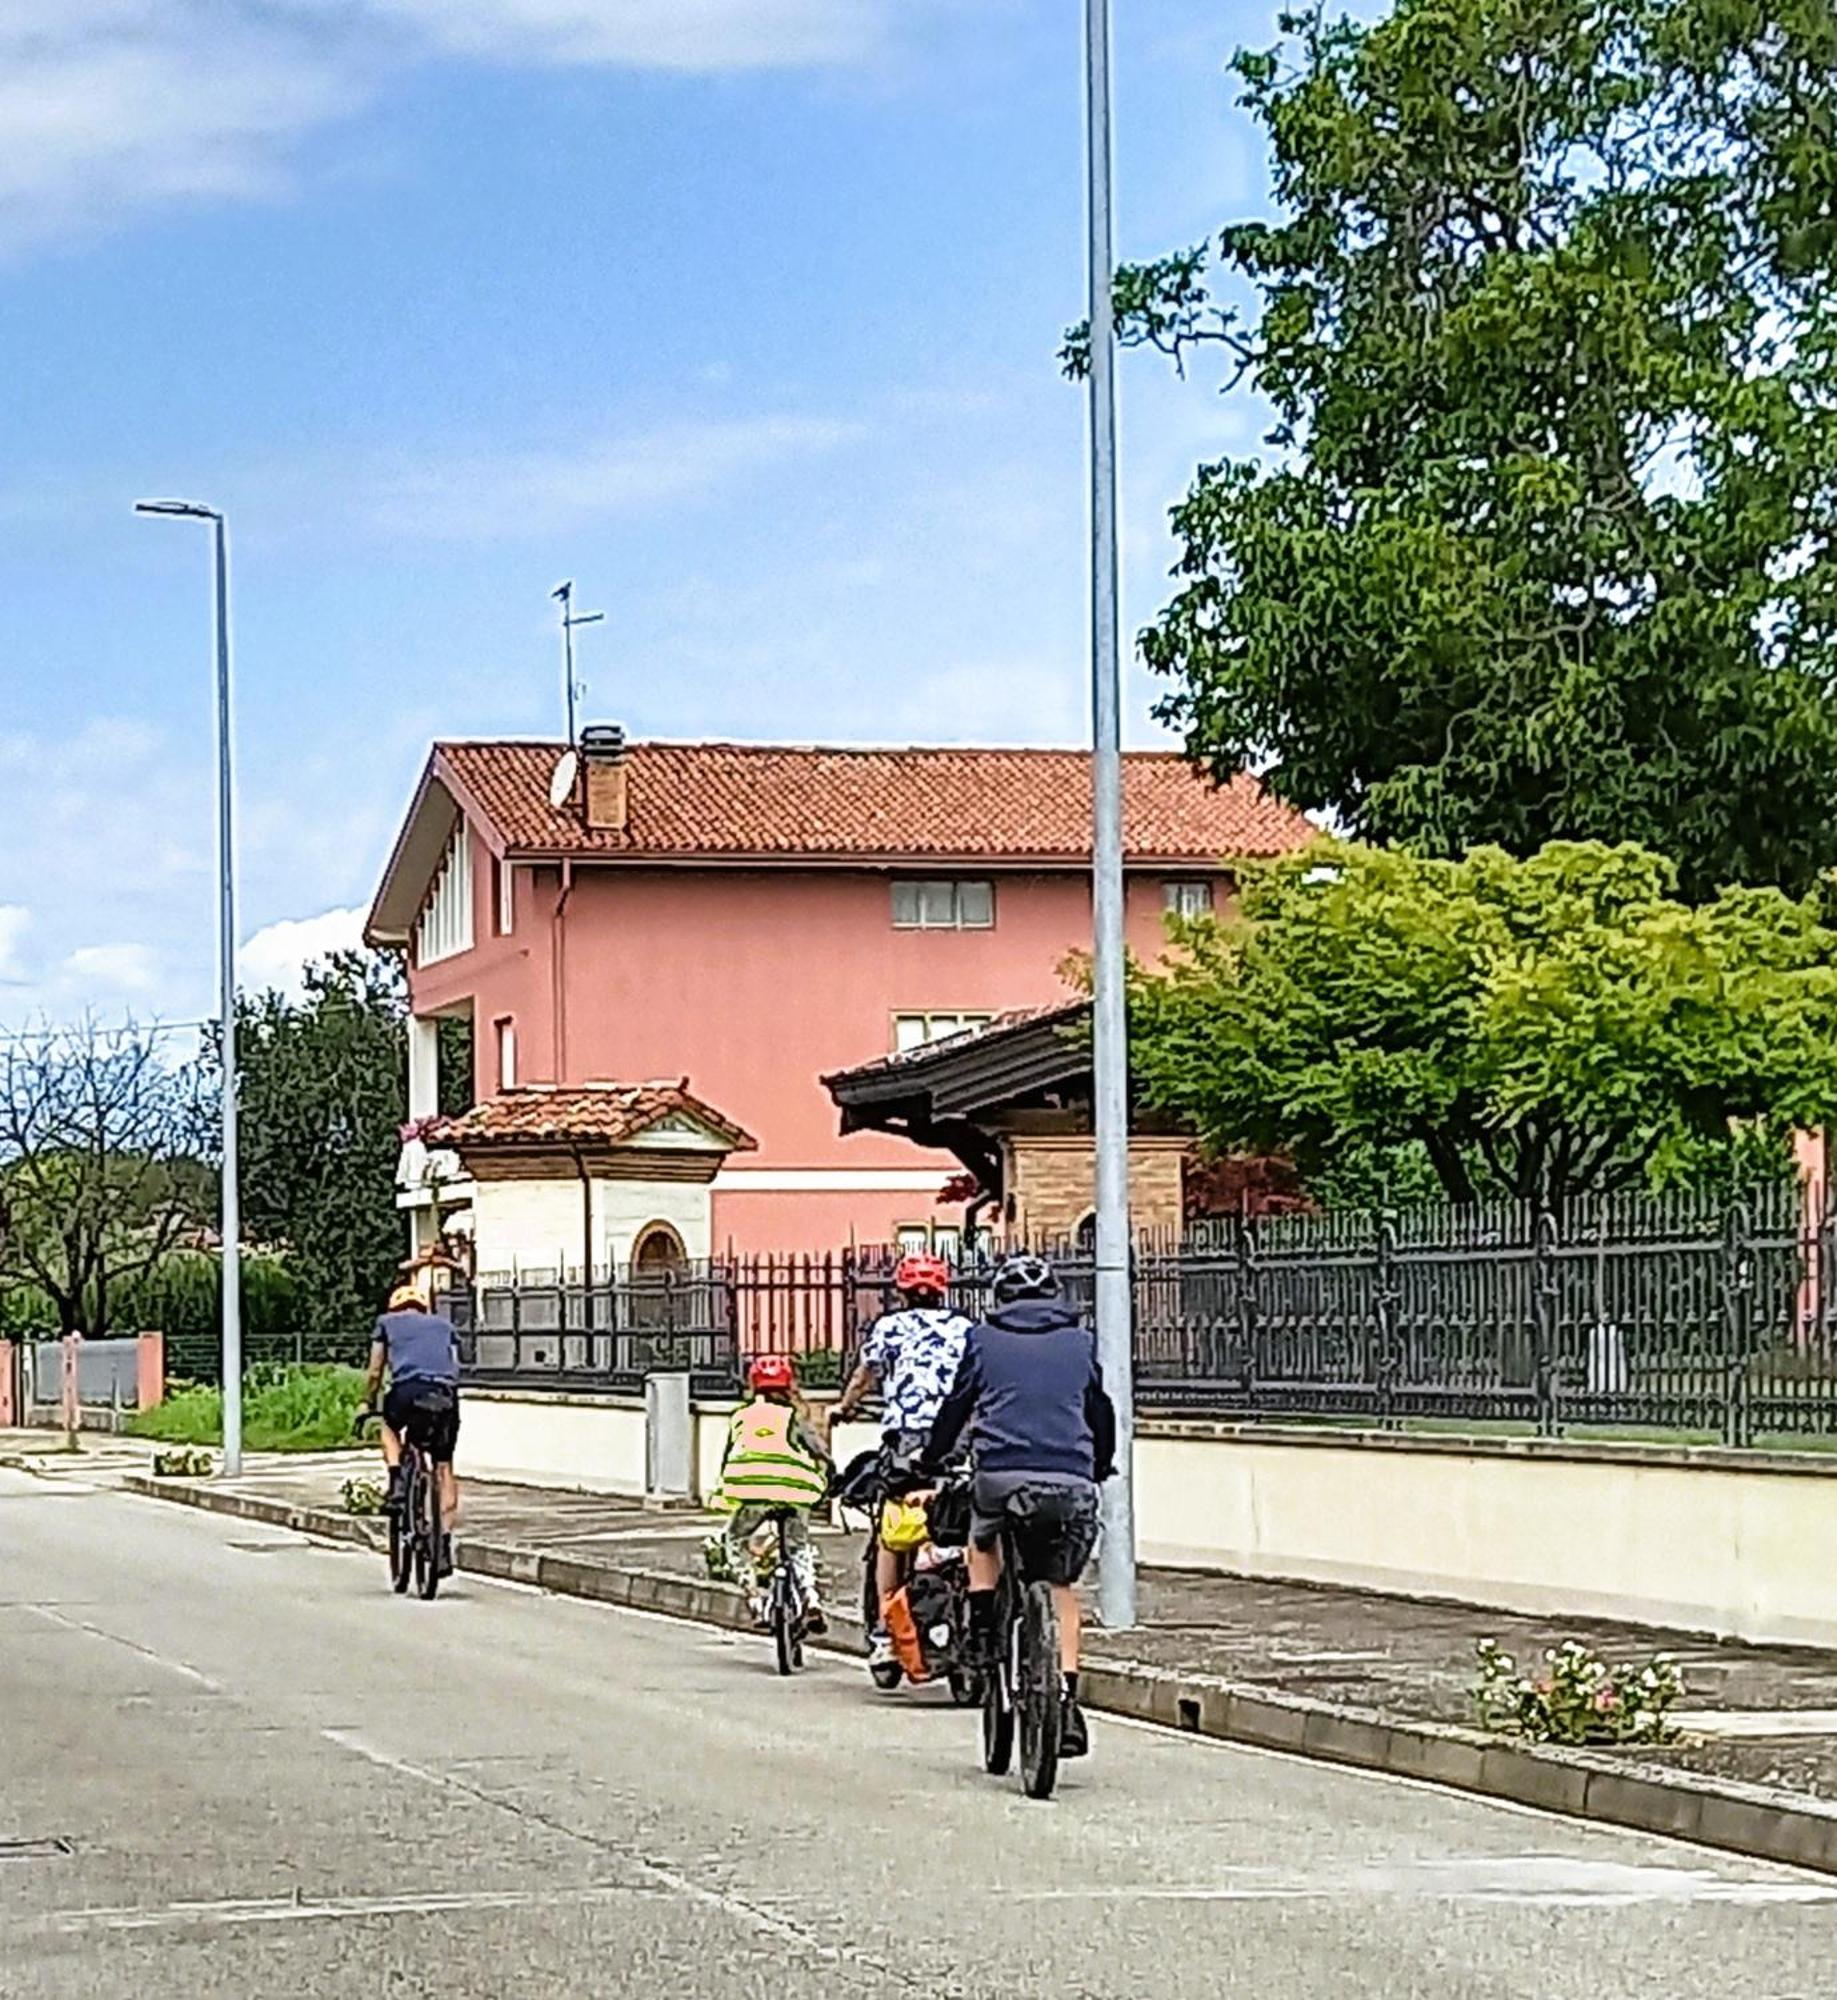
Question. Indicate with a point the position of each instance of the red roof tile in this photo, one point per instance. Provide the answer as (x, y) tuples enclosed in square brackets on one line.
[(602, 1114), (759, 800)]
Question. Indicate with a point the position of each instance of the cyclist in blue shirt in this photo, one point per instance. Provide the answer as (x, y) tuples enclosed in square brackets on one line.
[(1042, 1434), (420, 1352)]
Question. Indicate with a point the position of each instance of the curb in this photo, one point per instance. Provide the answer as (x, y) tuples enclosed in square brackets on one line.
[(1750, 1820)]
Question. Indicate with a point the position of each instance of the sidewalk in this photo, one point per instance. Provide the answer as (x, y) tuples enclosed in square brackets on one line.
[(1259, 1661)]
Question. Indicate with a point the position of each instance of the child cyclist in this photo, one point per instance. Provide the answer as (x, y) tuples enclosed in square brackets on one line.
[(774, 1459)]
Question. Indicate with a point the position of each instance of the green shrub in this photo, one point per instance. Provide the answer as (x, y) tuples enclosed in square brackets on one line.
[(1578, 1697), (362, 1496), (284, 1409), (181, 1465)]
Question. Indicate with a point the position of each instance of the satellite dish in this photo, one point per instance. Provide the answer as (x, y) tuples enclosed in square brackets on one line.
[(561, 785)]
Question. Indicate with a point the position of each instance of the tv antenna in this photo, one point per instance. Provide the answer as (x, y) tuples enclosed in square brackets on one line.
[(564, 593)]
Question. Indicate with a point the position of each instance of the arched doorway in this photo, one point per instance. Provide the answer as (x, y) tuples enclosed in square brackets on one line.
[(658, 1249), (657, 1257)]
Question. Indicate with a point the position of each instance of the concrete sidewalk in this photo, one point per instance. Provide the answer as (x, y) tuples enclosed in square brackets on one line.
[(1348, 1675)]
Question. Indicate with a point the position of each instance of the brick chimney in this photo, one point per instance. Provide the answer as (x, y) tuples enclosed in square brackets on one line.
[(602, 756)]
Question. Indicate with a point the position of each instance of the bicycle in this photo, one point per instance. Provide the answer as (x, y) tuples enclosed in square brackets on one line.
[(414, 1521), (1025, 1685), (787, 1607)]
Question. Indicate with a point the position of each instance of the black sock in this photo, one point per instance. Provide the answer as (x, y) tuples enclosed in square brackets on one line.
[(982, 1613), (1071, 1686)]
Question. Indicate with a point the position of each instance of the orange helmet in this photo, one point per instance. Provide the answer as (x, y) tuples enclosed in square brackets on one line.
[(922, 1272), (771, 1371)]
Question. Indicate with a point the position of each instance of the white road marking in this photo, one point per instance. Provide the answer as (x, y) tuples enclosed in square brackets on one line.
[(172, 1666), (233, 1913), (1539, 1881), (738, 1907)]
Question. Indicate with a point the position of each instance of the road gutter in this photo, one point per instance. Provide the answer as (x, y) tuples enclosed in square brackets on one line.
[(1751, 1820)]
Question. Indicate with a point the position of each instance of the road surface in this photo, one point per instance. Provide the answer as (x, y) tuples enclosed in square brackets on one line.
[(274, 1778)]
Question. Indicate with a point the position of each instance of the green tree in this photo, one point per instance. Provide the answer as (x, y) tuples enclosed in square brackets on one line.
[(1538, 1028), (321, 1081), (1548, 322)]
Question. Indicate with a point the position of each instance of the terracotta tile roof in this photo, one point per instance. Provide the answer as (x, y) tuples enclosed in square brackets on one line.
[(601, 1114), (756, 800)]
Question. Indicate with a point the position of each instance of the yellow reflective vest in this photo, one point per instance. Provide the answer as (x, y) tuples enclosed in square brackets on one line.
[(766, 1465)]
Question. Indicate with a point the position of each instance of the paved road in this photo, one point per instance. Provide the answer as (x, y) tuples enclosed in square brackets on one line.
[(276, 1779)]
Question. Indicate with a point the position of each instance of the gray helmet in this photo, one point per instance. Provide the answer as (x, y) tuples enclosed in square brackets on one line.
[(1023, 1276)]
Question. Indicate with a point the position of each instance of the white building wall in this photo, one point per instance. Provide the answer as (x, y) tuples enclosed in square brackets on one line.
[(536, 1225)]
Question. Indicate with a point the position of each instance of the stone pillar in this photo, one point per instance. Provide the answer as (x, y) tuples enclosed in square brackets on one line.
[(150, 1371)]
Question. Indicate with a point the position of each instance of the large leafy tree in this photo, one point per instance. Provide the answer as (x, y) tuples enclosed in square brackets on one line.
[(321, 1112), (1539, 1028), (1543, 544)]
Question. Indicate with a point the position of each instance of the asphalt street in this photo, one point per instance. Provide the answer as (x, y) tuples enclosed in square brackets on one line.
[(235, 1765)]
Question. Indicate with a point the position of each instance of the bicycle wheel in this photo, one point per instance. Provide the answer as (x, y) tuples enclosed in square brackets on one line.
[(1042, 1692), (998, 1690), (401, 1530), (427, 1536), (784, 1624)]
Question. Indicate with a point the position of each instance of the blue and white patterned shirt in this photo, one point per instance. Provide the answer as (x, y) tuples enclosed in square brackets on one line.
[(916, 1353)]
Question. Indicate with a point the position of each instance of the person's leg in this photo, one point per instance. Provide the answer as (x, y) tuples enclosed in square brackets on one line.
[(1071, 1624), (803, 1558), (392, 1447), (886, 1579), (449, 1495)]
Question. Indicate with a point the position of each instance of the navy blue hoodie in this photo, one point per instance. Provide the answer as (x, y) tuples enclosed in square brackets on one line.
[(1031, 1395)]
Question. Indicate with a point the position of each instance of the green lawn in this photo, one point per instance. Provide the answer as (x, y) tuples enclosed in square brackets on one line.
[(292, 1409)]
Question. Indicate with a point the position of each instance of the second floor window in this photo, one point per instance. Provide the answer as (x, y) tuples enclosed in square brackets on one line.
[(944, 905), (507, 1054), (1189, 899), (504, 889), (914, 1031)]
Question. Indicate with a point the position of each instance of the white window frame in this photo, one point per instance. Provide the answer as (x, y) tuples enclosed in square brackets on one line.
[(445, 927), (507, 1053), (947, 889), (507, 896), (931, 1019), (1188, 896)]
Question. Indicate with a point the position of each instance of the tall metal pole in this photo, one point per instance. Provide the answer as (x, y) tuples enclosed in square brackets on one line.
[(226, 972), (566, 594), (230, 1254), (1110, 1093)]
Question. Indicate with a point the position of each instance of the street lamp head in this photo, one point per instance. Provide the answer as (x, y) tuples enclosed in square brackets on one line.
[(185, 509)]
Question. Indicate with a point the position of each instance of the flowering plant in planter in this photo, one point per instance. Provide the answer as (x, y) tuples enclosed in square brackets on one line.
[(1575, 1696)]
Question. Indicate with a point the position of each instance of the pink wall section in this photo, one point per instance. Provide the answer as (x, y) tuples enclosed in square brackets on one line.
[(753, 982)]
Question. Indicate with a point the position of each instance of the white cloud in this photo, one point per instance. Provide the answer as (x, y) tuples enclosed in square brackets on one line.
[(15, 921), (277, 954), (489, 495), (109, 106), (113, 968)]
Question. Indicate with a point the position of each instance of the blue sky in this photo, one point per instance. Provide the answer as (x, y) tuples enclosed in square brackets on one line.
[(740, 312)]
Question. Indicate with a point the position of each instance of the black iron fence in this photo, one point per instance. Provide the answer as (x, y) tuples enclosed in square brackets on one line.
[(1671, 1314)]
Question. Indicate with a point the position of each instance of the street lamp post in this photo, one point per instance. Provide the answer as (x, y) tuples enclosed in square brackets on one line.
[(231, 1229), (1110, 1052)]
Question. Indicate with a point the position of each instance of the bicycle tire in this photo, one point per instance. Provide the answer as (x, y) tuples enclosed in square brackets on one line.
[(427, 1575), (784, 1632), (997, 1690), (1041, 1693), (401, 1533)]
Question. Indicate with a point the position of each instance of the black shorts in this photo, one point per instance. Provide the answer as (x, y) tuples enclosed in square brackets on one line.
[(1053, 1521), (427, 1413)]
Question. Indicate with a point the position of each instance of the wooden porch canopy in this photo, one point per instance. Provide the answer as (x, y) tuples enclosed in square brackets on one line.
[(947, 1094)]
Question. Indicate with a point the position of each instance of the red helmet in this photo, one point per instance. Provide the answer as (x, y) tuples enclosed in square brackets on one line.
[(771, 1371), (922, 1272)]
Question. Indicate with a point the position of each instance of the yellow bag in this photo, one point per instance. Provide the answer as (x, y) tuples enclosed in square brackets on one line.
[(903, 1525)]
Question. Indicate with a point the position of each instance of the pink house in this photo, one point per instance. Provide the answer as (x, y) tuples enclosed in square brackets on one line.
[(736, 920)]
